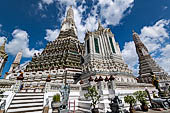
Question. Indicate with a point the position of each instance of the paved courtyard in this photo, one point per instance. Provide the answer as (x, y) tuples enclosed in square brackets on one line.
[(152, 111)]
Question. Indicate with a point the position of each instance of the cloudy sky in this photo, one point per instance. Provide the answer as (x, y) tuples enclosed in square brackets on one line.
[(30, 24)]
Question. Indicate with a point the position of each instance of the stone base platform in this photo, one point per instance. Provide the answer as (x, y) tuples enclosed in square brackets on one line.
[(153, 111)]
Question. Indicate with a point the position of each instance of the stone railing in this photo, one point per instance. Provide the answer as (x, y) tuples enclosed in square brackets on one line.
[(6, 85), (134, 84), (6, 99), (51, 87)]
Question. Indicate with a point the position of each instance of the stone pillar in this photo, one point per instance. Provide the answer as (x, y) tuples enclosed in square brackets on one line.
[(111, 88), (46, 109), (101, 86)]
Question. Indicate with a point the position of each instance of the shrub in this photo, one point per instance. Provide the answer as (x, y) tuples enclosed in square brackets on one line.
[(141, 97), (56, 98), (130, 100)]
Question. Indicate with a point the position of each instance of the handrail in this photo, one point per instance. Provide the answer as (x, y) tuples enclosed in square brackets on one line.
[(9, 101)]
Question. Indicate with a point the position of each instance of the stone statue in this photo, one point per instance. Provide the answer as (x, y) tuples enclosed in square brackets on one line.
[(2, 107), (116, 105), (47, 102), (65, 91)]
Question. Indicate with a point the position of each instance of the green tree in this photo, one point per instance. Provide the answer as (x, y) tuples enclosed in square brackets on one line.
[(93, 95), (130, 100), (141, 97)]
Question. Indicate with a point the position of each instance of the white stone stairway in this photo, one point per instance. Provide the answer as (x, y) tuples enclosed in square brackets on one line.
[(27, 102)]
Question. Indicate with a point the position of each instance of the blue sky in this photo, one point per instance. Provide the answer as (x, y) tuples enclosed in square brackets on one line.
[(30, 24)]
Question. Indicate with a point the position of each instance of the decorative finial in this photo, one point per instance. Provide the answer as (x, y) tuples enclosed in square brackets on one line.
[(99, 22), (70, 13), (99, 25)]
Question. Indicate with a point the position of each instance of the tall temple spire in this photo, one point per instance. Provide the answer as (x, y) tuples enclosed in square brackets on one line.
[(2, 47), (16, 62), (68, 27), (18, 57), (70, 13), (140, 47), (63, 53), (146, 63), (3, 57)]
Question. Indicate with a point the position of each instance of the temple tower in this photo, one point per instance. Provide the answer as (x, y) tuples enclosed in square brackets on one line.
[(102, 52), (62, 54), (3, 57), (16, 62), (146, 62)]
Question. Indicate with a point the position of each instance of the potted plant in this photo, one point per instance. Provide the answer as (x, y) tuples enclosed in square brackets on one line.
[(94, 96), (55, 104), (130, 100), (141, 97)]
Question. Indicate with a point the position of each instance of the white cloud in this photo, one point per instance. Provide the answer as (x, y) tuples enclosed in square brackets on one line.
[(114, 11), (19, 42), (63, 2), (110, 12), (48, 1), (51, 35), (40, 6), (165, 7), (130, 56), (129, 53), (164, 58), (154, 36), (155, 39), (68, 2), (166, 51), (0, 26), (78, 21)]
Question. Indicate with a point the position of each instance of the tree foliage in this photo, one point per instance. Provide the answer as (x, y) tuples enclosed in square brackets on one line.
[(129, 99), (93, 95), (141, 96)]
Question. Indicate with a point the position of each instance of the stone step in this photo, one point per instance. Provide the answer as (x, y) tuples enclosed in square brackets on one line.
[(29, 94), (26, 101), (23, 95), (28, 112), (27, 97), (26, 104), (22, 110)]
